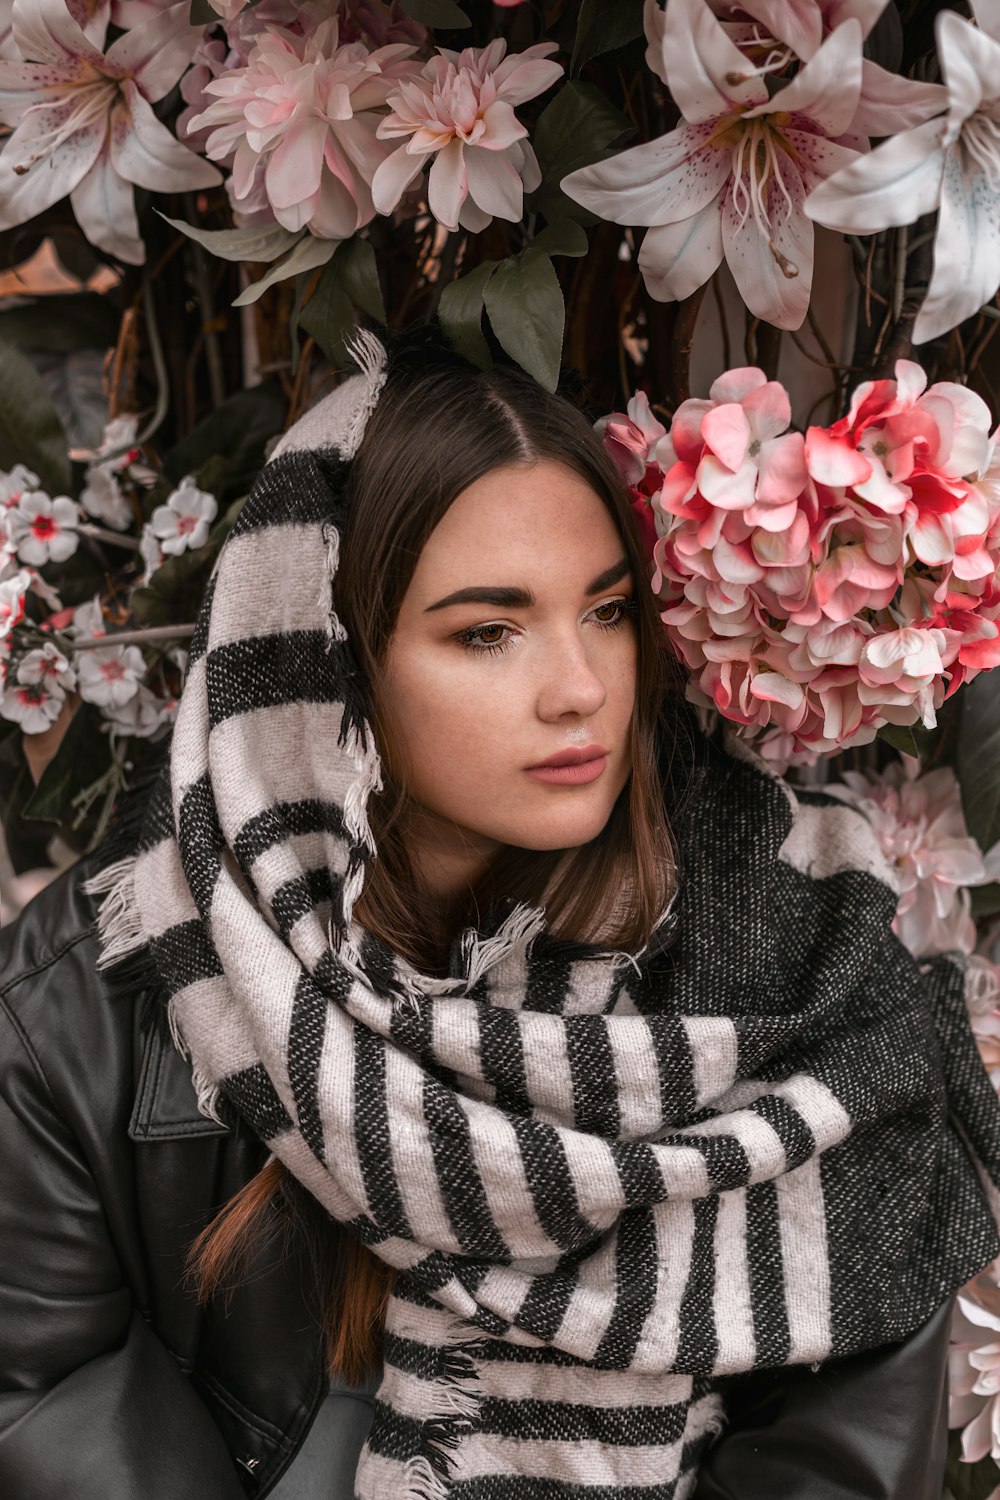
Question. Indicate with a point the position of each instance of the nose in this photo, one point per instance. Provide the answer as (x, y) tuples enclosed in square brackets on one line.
[(571, 687)]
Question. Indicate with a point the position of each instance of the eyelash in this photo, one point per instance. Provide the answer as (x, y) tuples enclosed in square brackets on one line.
[(468, 638)]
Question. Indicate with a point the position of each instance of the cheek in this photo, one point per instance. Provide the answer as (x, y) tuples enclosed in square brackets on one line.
[(443, 723)]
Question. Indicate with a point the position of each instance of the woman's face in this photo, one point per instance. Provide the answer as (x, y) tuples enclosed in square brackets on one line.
[(514, 647)]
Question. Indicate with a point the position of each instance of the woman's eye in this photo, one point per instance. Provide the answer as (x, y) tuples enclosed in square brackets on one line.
[(613, 612), (486, 637)]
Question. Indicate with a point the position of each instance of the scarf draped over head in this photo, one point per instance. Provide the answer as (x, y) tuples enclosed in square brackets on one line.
[(605, 1180)]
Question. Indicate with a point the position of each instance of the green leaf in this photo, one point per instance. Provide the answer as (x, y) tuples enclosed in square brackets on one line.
[(30, 430), (440, 15), (83, 756), (58, 324), (305, 255), (985, 901), (977, 761), (232, 439), (356, 263), (564, 237), (604, 28), (901, 737), (525, 305), (460, 312), (350, 280), (579, 127), (969, 1481), (255, 242)]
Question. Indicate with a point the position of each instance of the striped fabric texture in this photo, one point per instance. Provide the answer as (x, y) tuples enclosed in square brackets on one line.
[(609, 1182)]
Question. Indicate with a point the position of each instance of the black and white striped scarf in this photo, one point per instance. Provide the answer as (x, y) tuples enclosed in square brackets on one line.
[(606, 1181)]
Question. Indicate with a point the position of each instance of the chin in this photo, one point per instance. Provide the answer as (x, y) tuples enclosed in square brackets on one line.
[(565, 832)]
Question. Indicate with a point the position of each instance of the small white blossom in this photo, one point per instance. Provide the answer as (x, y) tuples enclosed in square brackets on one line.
[(47, 664), (33, 705), (12, 595), (42, 529), (102, 495), (109, 676), (14, 484), (88, 619), (142, 715), (184, 521)]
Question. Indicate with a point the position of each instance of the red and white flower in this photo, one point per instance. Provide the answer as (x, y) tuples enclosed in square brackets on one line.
[(41, 529), (184, 521), (35, 706), (13, 592), (458, 115), (47, 664)]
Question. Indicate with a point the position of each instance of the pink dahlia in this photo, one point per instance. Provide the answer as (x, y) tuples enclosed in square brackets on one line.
[(299, 123), (921, 829), (458, 114)]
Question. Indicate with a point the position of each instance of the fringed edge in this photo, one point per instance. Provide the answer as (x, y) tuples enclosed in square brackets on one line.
[(118, 924), (516, 932), (456, 1403), (368, 353)]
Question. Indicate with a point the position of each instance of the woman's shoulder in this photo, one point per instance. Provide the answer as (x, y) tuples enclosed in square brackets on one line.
[(67, 1025)]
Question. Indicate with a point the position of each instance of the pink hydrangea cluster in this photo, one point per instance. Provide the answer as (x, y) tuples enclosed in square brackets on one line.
[(821, 585)]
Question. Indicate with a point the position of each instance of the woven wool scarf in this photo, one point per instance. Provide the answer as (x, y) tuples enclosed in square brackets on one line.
[(606, 1181)]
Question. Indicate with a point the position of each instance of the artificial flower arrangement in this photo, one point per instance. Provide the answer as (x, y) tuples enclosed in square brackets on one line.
[(222, 189)]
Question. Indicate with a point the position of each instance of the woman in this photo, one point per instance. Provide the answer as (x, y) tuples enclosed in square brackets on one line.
[(593, 1038)]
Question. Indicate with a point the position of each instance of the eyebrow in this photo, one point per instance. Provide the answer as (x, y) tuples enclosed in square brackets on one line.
[(514, 598)]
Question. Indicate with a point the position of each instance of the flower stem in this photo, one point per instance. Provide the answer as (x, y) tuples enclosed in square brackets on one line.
[(134, 637), (113, 538)]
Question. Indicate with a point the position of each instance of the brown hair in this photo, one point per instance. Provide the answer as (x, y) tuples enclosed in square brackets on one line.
[(441, 424)]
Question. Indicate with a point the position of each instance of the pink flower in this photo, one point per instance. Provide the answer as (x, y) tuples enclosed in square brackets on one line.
[(921, 830), (299, 121), (817, 591), (47, 664), (458, 113), (83, 122), (974, 1366)]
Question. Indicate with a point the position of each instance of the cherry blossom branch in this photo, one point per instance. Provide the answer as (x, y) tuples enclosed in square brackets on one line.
[(113, 538)]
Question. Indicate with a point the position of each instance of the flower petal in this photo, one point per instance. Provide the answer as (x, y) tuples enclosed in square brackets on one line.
[(660, 182), (966, 248), (294, 170), (987, 14), (105, 210), (773, 274), (493, 183), (727, 432), (890, 104), (45, 32), (23, 194), (156, 52), (897, 183), (393, 177), (447, 187), (143, 150), (706, 72), (970, 63), (676, 259), (827, 89)]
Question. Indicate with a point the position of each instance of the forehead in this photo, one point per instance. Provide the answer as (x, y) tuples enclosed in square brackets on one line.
[(526, 524)]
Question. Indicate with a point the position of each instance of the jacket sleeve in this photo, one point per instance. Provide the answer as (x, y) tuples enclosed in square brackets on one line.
[(92, 1404), (869, 1427)]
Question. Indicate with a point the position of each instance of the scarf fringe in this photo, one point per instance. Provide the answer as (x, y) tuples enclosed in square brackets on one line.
[(517, 931), (368, 353), (456, 1409), (118, 923)]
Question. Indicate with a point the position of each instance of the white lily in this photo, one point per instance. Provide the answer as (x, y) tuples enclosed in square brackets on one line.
[(83, 122), (952, 164), (732, 178)]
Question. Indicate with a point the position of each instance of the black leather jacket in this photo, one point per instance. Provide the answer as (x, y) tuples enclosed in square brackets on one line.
[(116, 1385)]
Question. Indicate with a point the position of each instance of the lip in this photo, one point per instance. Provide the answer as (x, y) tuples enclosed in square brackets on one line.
[(571, 767)]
